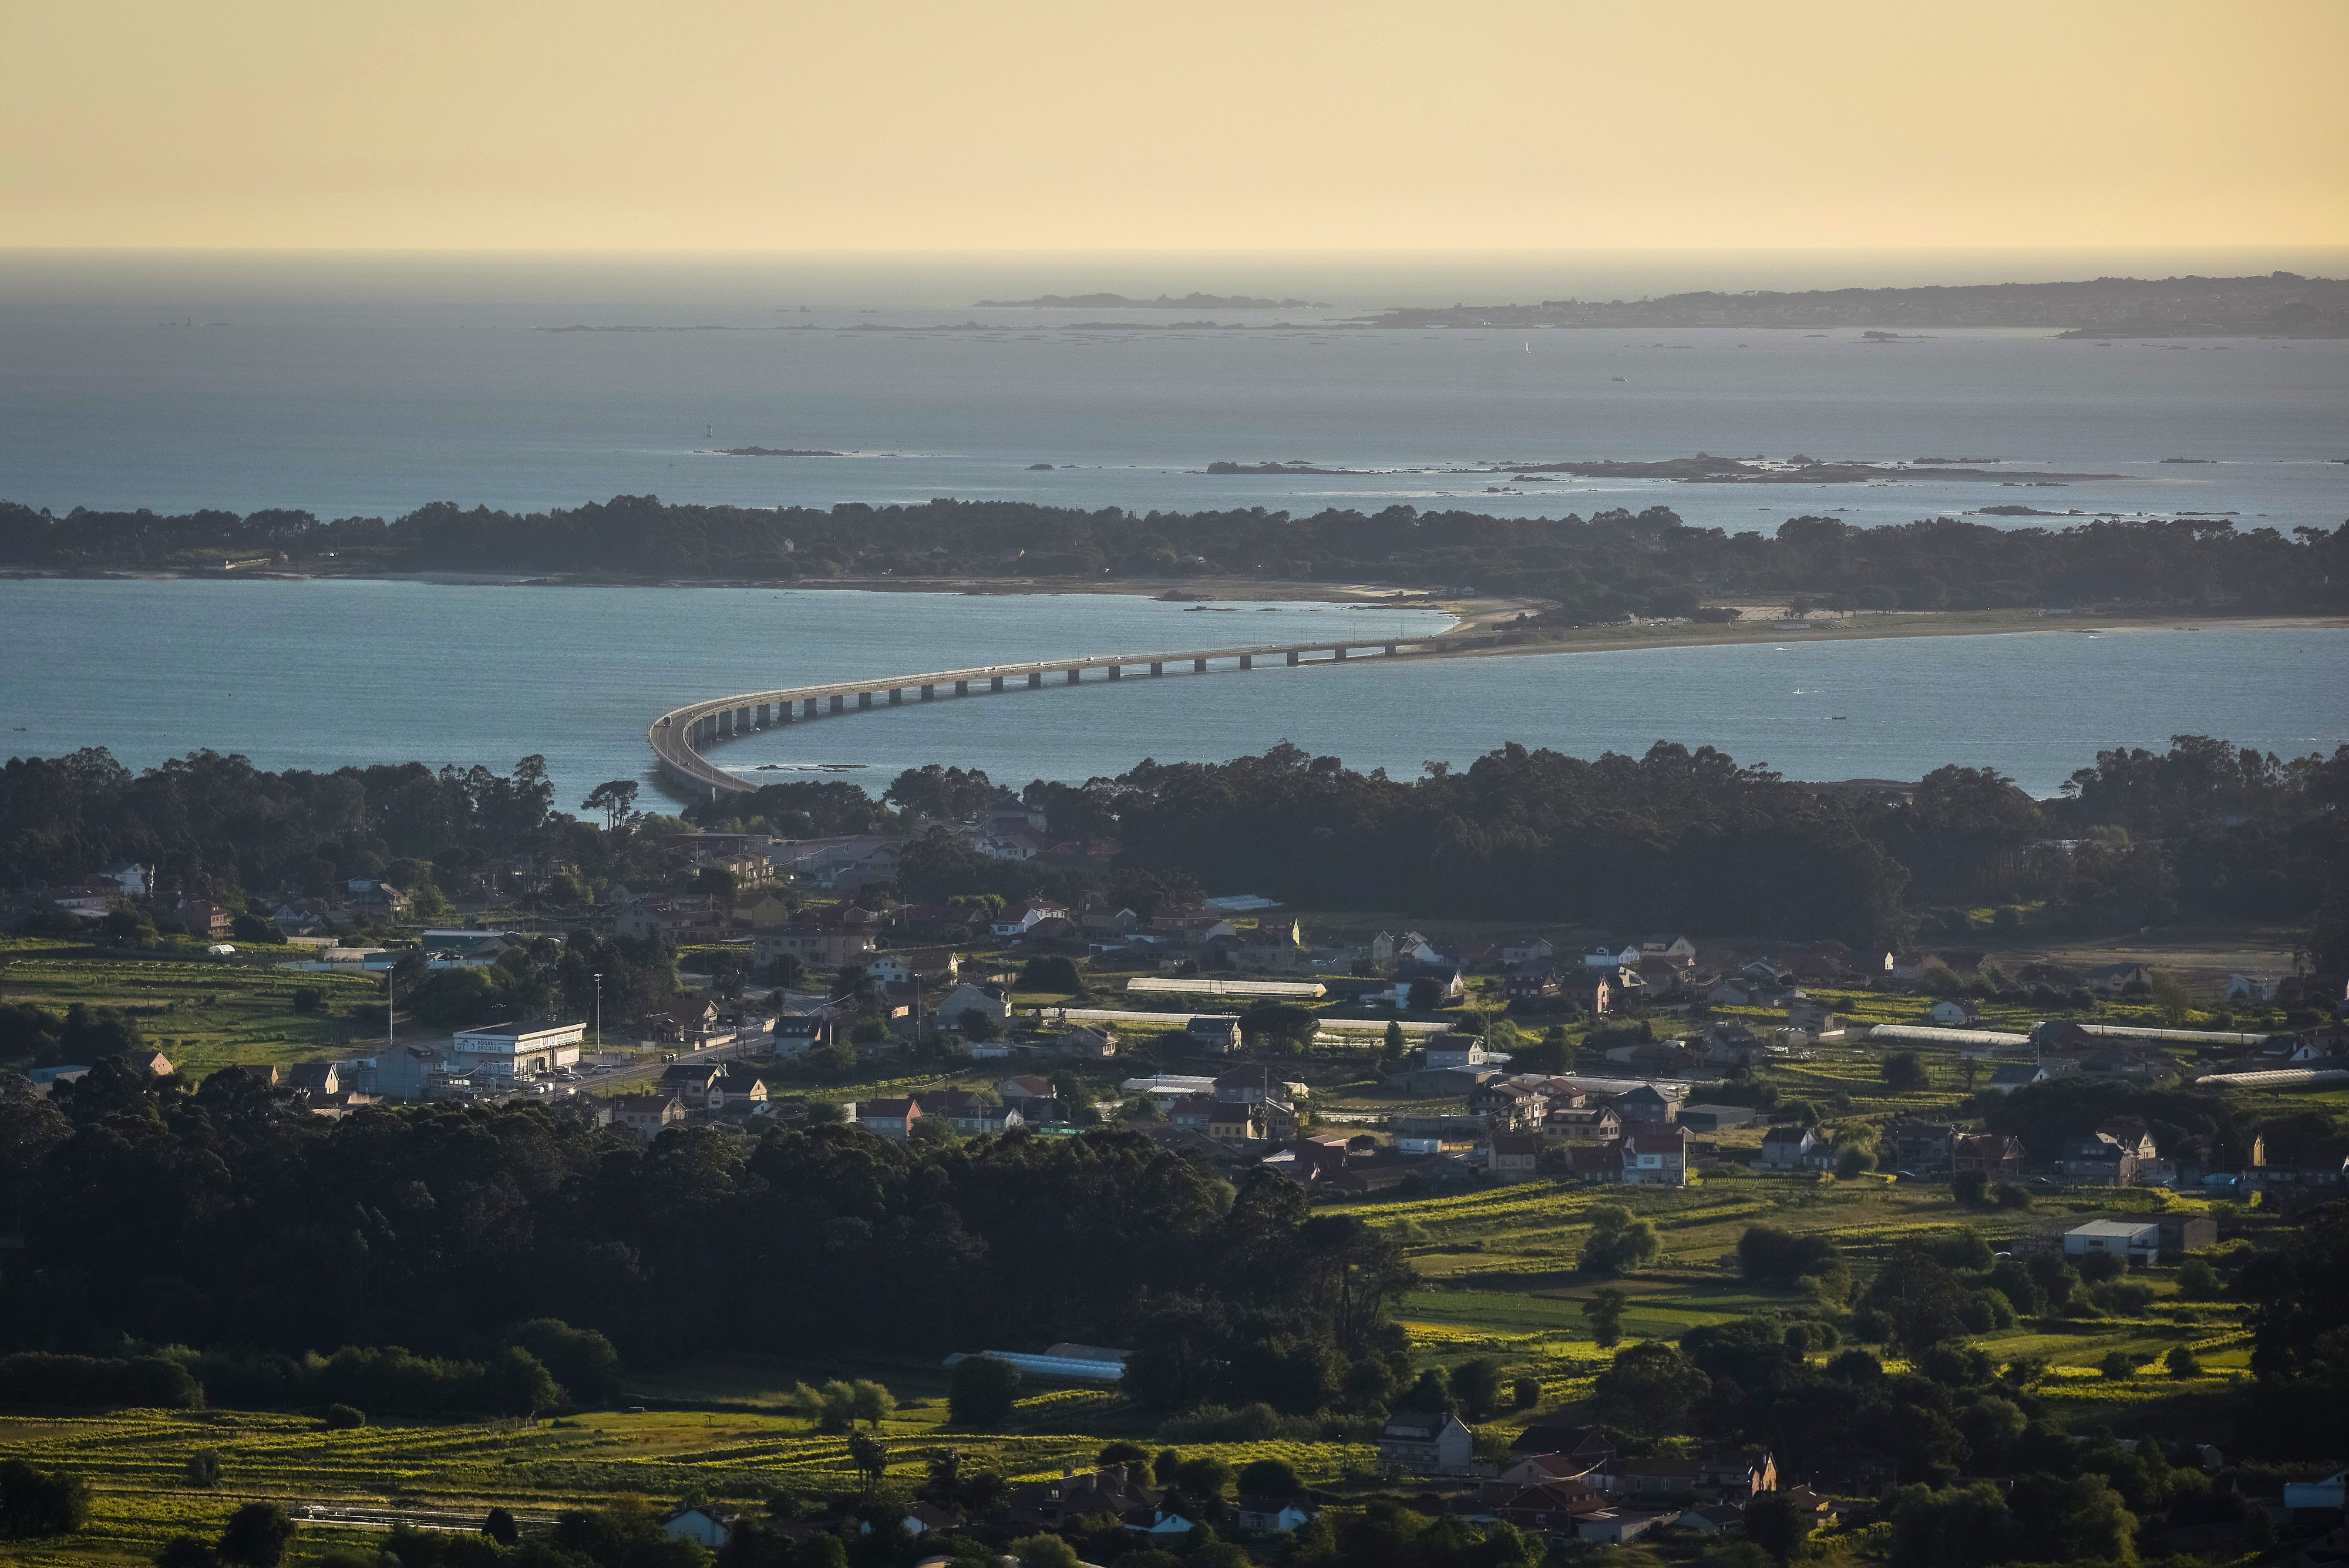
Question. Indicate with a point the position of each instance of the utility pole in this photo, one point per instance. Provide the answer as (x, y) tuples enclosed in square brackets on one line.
[(599, 1015)]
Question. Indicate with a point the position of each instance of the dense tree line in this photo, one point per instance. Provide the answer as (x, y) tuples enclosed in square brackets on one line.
[(1673, 837), (216, 1219), (1601, 568)]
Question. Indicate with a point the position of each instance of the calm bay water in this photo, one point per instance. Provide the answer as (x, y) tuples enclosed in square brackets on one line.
[(367, 386), (321, 674)]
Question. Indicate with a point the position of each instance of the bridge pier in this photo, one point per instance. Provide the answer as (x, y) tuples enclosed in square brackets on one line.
[(928, 693), (812, 710), (1390, 650), (962, 688), (1072, 675), (1439, 645), (896, 695), (1292, 656), (864, 698), (1117, 672), (840, 704), (1035, 678), (1341, 655), (782, 713), (1199, 667), (1247, 661), (1157, 667), (994, 683)]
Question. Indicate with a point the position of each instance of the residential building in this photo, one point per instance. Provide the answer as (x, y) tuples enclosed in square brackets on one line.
[(1514, 1157), (974, 996), (820, 938), (2112, 978), (1788, 1147), (314, 1078), (893, 1118), (1735, 1476), (1987, 1153), (1551, 1507), (1531, 986), (1214, 1031), (1528, 950), (1655, 1157), (1459, 1051), (1584, 1449), (796, 1031), (935, 967), (695, 919), (2102, 1159), (647, 1115), (1017, 919), (1507, 1107), (131, 879), (736, 1085), (707, 1526), (1051, 1504), (90, 900), (197, 917), (1924, 1147), (969, 1114), (1951, 1014), (402, 1072), (1587, 1125), (1647, 1104), (1670, 945), (1627, 957), (1257, 1515), (1593, 991), (1426, 1443), (1714, 1118)]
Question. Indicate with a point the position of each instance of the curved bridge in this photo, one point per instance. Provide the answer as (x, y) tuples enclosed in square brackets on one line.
[(679, 735)]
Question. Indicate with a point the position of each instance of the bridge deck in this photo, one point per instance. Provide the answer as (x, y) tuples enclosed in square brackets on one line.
[(677, 734)]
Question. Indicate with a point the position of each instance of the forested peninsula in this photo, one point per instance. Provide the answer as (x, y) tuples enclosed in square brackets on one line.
[(1592, 570), (2282, 304)]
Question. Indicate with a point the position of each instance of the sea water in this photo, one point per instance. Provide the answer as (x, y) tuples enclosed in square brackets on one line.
[(367, 386), (325, 673)]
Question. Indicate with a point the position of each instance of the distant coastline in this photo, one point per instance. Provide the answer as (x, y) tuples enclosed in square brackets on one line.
[(1164, 302), (2279, 305)]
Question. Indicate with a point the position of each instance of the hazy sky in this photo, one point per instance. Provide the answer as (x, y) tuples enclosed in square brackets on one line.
[(1279, 124)]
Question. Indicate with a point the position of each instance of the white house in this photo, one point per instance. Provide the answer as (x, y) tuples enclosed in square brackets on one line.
[(1626, 957), (1670, 947), (1016, 920), (1655, 1157), (971, 996), (1460, 1051), (708, 1526), (515, 1050), (1274, 1515), (1949, 1014), (1788, 1147), (2250, 987), (2333, 1491), (134, 878)]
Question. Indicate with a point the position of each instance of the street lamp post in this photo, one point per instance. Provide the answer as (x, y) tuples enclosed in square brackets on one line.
[(599, 1016)]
